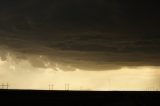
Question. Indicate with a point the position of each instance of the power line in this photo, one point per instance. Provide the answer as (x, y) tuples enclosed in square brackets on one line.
[(4, 86)]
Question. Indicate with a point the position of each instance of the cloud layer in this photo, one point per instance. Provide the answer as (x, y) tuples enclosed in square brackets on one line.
[(89, 35)]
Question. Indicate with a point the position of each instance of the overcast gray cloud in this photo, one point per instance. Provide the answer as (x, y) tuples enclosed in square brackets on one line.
[(90, 35)]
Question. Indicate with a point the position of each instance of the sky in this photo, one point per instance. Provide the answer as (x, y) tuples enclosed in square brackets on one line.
[(88, 43)]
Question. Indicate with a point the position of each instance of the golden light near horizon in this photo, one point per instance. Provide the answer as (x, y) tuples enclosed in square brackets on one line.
[(25, 76)]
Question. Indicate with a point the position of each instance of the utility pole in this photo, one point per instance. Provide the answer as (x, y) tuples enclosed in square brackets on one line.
[(81, 87), (7, 86), (109, 84), (4, 86), (51, 86), (67, 86)]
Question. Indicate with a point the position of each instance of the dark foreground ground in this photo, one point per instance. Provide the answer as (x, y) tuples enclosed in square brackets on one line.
[(78, 98)]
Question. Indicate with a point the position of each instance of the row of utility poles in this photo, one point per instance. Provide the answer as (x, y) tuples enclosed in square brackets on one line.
[(51, 86), (67, 86), (153, 89)]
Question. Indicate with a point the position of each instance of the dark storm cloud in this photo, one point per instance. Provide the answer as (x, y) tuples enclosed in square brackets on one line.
[(91, 35)]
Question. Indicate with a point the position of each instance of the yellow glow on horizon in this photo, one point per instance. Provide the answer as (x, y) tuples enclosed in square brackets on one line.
[(25, 76)]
